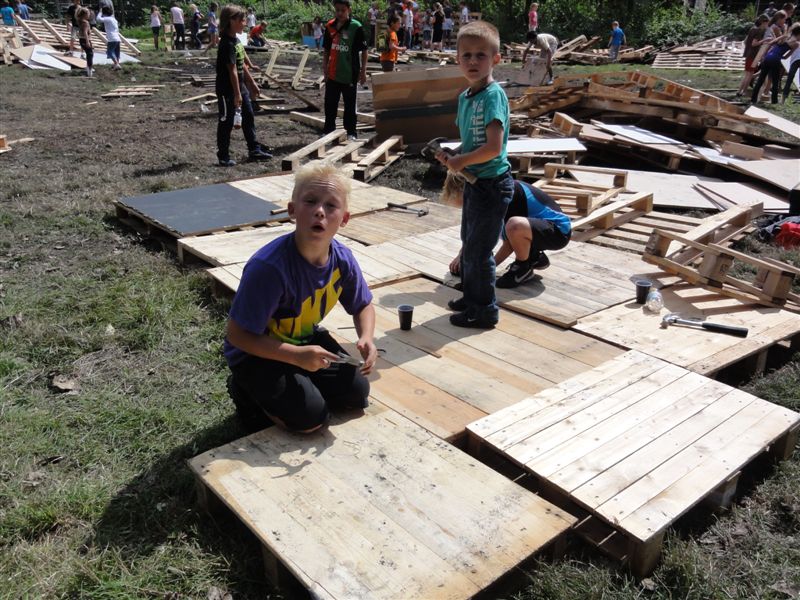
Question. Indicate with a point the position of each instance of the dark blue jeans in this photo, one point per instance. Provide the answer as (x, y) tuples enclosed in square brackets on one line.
[(333, 91), (485, 204), (225, 123)]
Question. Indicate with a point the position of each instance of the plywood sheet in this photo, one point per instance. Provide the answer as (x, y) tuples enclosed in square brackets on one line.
[(669, 190), (631, 326), (638, 134), (637, 441), (581, 279), (784, 173), (535, 145), (375, 507), (741, 194), (200, 210)]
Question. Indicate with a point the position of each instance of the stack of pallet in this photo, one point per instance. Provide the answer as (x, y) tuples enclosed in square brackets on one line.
[(714, 54)]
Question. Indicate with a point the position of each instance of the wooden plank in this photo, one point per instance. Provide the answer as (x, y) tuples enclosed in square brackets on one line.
[(783, 173), (775, 121)]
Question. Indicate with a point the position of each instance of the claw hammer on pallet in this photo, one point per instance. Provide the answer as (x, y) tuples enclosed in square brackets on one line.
[(432, 148), (672, 319), (421, 212)]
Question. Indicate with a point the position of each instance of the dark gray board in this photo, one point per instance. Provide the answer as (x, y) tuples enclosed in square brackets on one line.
[(202, 209)]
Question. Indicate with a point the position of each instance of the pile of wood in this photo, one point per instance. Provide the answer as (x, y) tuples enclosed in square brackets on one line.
[(582, 51), (714, 54)]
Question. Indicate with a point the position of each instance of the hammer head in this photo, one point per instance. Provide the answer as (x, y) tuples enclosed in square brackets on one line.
[(434, 146), (668, 319)]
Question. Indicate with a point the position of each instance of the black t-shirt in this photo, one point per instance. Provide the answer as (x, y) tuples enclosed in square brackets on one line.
[(71, 15), (230, 52)]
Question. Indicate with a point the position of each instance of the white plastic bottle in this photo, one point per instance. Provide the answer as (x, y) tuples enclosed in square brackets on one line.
[(654, 302), (237, 119)]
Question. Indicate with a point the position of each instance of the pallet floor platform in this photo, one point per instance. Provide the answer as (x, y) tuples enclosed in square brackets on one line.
[(236, 205), (637, 442), (375, 507), (443, 377), (582, 278), (631, 326)]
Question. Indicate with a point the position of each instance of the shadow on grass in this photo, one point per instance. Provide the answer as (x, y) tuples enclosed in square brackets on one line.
[(160, 505)]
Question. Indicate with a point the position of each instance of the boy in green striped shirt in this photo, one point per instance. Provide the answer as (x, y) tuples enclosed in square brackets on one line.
[(344, 63)]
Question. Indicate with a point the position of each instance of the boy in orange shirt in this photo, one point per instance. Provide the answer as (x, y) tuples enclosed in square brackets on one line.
[(389, 56)]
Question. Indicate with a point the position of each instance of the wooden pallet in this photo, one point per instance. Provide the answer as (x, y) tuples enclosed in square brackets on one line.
[(375, 507), (704, 352), (391, 224), (635, 443), (294, 75), (130, 91), (364, 159), (580, 199), (581, 279), (773, 279)]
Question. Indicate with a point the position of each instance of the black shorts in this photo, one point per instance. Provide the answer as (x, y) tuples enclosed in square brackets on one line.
[(299, 398), (531, 36), (546, 236)]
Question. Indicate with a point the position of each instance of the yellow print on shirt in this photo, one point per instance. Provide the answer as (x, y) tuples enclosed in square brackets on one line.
[(293, 330)]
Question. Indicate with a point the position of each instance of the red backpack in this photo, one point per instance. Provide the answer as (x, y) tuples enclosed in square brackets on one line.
[(789, 236)]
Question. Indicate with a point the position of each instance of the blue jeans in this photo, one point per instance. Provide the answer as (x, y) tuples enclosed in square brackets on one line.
[(485, 204)]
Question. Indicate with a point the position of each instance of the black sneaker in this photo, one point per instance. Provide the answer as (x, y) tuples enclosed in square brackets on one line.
[(469, 318), (458, 305), (259, 155), (227, 162), (541, 263), (517, 274)]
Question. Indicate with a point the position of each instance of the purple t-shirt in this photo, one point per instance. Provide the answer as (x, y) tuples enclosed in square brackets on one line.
[(285, 296)]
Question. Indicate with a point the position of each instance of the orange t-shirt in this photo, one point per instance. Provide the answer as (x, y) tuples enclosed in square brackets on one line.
[(390, 55)]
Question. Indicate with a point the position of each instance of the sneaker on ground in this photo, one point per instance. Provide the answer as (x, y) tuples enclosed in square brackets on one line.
[(470, 319), (541, 263), (517, 274), (259, 155), (458, 304), (226, 162), (352, 138)]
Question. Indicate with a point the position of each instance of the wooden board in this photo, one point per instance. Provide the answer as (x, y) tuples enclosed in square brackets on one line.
[(194, 211), (531, 145), (636, 441), (581, 279), (443, 377), (786, 126), (740, 193), (364, 198), (784, 173), (631, 326), (669, 190), (387, 225), (375, 507)]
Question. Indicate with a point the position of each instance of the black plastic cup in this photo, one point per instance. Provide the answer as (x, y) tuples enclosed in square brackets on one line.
[(405, 312), (642, 289)]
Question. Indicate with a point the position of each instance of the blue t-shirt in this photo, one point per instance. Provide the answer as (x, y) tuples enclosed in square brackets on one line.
[(617, 35), (533, 203), (8, 15), (475, 113), (283, 295)]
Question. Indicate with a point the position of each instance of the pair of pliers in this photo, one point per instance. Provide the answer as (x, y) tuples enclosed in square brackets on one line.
[(346, 359)]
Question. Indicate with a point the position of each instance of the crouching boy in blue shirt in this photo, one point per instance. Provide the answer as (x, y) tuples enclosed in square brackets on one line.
[(284, 368)]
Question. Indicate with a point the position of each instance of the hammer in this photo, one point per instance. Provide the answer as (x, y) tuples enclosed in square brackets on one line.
[(432, 148), (421, 212), (673, 319)]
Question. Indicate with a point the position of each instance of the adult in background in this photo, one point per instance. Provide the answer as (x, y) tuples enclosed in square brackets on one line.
[(178, 26), (447, 26), (408, 24), (438, 26), (195, 26), (372, 15), (155, 24), (794, 66), (23, 11), (547, 45), (344, 62), (72, 24), (771, 65)]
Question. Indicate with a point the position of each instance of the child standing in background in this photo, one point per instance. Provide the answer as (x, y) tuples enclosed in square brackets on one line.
[(234, 85), (82, 15), (616, 41), (388, 58), (483, 122), (155, 24), (195, 26), (316, 27), (112, 35), (211, 19), (533, 17)]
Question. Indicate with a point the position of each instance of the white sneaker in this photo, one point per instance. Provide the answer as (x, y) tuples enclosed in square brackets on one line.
[(352, 138)]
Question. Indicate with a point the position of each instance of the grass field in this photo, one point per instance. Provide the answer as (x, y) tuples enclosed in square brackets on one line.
[(111, 376)]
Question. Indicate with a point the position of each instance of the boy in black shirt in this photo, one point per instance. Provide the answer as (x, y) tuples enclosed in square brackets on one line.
[(233, 86)]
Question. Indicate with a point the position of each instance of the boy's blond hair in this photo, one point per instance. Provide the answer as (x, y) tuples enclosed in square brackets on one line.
[(480, 30), (321, 171)]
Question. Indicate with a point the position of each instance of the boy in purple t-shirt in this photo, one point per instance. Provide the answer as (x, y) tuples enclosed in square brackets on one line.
[(284, 368)]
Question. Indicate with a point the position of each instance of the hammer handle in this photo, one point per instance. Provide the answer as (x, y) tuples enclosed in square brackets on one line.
[(729, 329), (467, 175)]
